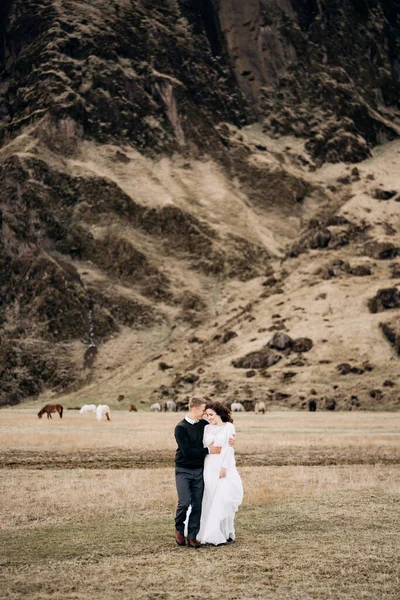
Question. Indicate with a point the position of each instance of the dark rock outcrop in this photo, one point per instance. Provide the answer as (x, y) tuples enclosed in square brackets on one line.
[(302, 345), (361, 271), (261, 359), (344, 368), (381, 250), (280, 341), (391, 330), (380, 194), (318, 236), (228, 335), (395, 270), (384, 300)]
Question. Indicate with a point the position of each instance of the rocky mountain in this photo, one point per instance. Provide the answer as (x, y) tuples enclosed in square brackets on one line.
[(200, 196)]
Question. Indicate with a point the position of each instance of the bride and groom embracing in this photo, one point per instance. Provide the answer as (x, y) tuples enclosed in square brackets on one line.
[(207, 481)]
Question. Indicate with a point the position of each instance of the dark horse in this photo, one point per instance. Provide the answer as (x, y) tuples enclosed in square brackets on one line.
[(50, 408)]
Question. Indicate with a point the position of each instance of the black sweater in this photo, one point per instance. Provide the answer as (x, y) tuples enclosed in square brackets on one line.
[(190, 453)]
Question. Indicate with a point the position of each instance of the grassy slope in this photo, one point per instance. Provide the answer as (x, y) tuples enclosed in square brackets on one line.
[(334, 312)]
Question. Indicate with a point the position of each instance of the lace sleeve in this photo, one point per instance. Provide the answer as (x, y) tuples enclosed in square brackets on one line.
[(207, 437), (228, 458)]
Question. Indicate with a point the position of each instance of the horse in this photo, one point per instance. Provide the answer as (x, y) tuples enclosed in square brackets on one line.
[(103, 411), (237, 407), (132, 408), (51, 408), (170, 406), (156, 407), (312, 405), (260, 407), (87, 408)]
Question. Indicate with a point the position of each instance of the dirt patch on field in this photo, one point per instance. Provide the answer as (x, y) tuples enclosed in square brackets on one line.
[(125, 459)]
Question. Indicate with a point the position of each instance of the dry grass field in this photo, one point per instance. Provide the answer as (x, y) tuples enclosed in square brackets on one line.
[(87, 509)]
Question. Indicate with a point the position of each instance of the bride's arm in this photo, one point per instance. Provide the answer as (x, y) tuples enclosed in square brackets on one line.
[(228, 453), (207, 437)]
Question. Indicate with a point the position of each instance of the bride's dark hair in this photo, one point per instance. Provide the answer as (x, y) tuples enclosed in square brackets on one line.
[(223, 411)]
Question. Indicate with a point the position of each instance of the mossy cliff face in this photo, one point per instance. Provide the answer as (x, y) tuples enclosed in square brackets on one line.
[(328, 71), (160, 75), (172, 78), (139, 71)]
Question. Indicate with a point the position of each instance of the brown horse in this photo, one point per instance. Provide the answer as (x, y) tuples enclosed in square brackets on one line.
[(51, 408)]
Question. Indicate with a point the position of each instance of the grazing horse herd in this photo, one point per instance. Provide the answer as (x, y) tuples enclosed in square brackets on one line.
[(171, 406), (103, 410), (168, 406)]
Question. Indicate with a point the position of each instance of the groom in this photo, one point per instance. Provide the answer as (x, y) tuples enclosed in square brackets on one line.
[(189, 463)]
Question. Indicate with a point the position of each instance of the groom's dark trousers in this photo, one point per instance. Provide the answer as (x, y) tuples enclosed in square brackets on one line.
[(190, 487), (189, 463)]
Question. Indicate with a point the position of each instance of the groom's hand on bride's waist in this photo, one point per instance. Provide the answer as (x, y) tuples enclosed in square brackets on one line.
[(232, 441), (214, 449)]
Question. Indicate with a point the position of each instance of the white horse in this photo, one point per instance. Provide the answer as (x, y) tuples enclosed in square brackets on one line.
[(103, 411), (237, 407), (260, 407), (156, 407), (87, 408), (169, 406)]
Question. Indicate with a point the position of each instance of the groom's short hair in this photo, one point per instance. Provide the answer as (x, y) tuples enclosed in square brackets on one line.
[(196, 401)]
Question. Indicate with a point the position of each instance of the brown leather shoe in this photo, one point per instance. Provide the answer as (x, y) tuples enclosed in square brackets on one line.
[(194, 544), (180, 539)]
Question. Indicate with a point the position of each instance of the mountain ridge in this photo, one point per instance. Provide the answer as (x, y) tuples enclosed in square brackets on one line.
[(159, 165)]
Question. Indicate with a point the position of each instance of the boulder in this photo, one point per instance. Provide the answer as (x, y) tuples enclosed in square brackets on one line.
[(361, 271), (302, 345), (367, 366), (228, 335), (337, 220), (344, 368), (163, 366), (357, 370), (250, 373), (320, 239), (270, 282), (288, 375), (388, 383), (280, 341), (395, 270), (392, 333), (191, 378), (380, 194), (381, 250), (385, 299), (261, 359)]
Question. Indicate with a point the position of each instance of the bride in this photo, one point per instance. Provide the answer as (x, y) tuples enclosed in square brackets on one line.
[(223, 490)]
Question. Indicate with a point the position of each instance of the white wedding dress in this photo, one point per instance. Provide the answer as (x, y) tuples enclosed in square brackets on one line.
[(222, 496)]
